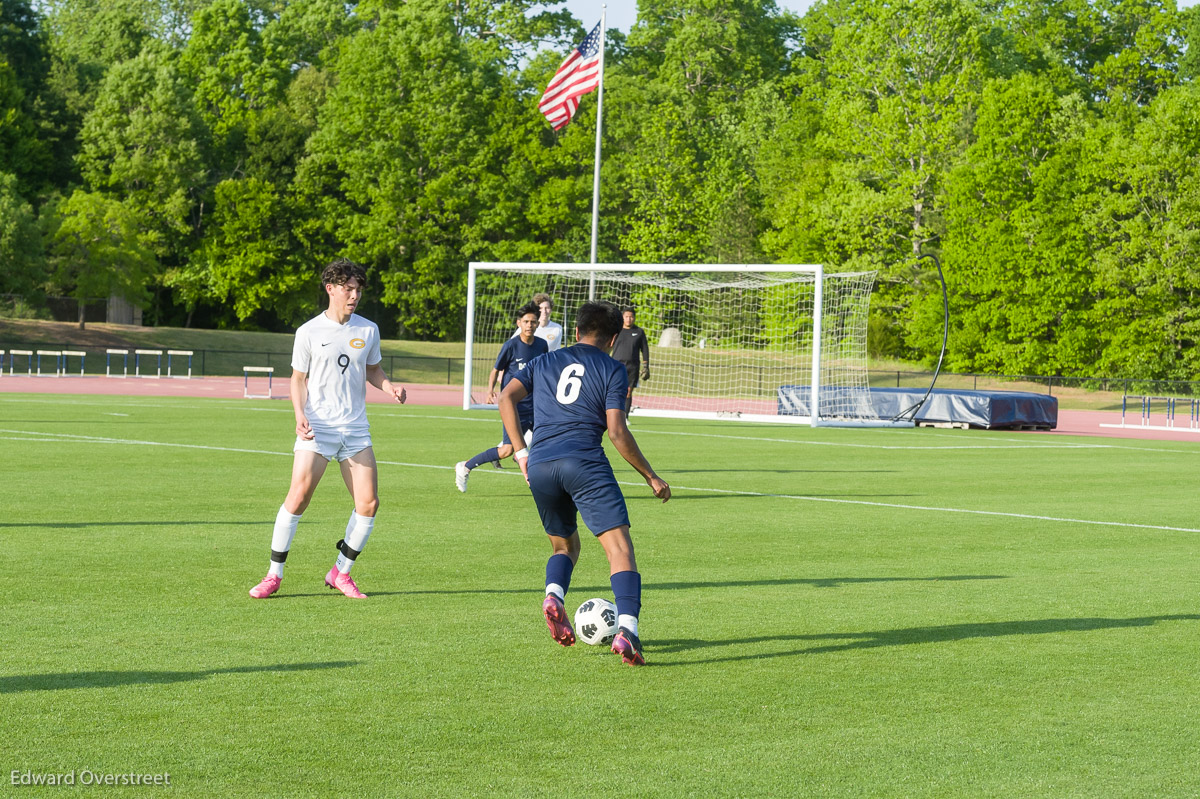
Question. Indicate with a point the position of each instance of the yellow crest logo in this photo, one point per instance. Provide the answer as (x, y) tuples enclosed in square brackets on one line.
[(357, 343)]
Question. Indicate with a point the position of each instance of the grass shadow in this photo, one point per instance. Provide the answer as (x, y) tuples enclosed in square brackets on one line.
[(670, 472), (681, 495), (580, 590), (110, 679), (900, 637)]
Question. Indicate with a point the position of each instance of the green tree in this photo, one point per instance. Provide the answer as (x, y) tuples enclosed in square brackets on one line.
[(403, 158), (231, 76), (22, 263), (249, 261), (140, 144), (96, 250), (21, 154), (1144, 221), (1018, 261)]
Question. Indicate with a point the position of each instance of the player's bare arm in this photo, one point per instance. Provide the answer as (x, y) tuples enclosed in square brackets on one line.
[(627, 446), (298, 390), (491, 391), (378, 378), (513, 393)]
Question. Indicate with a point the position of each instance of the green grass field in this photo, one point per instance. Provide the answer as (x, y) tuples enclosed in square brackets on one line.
[(826, 613)]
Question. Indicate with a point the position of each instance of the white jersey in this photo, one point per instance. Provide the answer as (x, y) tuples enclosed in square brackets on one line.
[(552, 333), (335, 358)]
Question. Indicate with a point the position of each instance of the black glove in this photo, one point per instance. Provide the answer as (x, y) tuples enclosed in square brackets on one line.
[(645, 372)]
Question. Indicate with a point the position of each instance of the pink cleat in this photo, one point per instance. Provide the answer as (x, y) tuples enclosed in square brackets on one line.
[(342, 582), (627, 645), (268, 586), (557, 621)]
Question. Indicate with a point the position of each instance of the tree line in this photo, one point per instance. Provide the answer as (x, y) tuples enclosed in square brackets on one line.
[(204, 158)]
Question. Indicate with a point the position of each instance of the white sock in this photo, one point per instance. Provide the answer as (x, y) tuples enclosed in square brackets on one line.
[(628, 622), (281, 538), (358, 530), (557, 590)]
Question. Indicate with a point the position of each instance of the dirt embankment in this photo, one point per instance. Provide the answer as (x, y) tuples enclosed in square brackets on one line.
[(36, 331)]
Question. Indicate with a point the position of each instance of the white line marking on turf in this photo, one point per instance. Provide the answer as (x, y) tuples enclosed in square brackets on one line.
[(730, 492)]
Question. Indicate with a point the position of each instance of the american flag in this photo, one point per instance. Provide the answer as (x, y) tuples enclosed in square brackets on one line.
[(577, 76)]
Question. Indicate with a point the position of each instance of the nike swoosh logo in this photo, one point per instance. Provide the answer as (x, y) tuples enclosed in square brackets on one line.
[(325, 344)]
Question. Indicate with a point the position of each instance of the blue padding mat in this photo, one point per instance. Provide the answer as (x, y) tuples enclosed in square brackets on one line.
[(992, 410)]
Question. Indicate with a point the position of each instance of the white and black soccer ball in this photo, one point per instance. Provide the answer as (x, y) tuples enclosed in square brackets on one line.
[(596, 621)]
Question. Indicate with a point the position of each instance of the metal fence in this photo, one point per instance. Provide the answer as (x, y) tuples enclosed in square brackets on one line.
[(436, 370), (229, 363)]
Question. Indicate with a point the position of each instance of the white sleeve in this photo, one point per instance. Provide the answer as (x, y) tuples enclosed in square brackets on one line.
[(300, 351), (374, 356)]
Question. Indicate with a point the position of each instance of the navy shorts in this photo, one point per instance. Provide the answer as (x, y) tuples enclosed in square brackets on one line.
[(563, 487), (526, 426)]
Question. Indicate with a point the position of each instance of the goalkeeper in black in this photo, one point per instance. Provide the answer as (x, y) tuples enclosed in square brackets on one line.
[(632, 349)]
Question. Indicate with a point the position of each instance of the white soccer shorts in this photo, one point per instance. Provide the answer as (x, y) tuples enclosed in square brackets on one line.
[(334, 444)]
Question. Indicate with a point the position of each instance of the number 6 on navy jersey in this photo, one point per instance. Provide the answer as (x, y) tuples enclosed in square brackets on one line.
[(569, 384)]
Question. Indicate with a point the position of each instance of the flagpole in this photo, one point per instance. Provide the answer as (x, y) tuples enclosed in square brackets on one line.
[(596, 169)]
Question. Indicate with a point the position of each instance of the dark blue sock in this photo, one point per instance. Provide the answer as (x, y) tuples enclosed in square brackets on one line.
[(558, 570), (627, 590), (487, 456)]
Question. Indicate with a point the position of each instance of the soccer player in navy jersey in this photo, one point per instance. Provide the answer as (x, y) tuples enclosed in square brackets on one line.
[(514, 356), (579, 393)]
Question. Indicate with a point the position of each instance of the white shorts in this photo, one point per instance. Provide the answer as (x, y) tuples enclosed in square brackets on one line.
[(334, 444)]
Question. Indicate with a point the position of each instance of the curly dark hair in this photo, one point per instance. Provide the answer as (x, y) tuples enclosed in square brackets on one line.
[(528, 308), (340, 271)]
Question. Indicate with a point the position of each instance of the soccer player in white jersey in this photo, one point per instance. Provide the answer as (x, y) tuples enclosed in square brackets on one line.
[(550, 332), (334, 356)]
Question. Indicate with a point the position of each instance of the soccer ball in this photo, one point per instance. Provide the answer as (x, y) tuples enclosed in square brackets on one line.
[(596, 621)]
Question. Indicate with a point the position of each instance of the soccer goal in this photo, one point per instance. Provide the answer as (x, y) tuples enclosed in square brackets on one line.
[(763, 342)]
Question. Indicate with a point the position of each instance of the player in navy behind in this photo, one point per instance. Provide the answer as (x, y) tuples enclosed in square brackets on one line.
[(579, 393), (514, 356)]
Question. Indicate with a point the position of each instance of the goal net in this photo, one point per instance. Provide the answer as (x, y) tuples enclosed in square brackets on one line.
[(757, 343)]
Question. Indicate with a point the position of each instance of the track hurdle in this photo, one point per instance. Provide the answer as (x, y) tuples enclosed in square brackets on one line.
[(57, 361), (188, 353), (269, 371), (1146, 406), (108, 363), (12, 361), (80, 354), (137, 363)]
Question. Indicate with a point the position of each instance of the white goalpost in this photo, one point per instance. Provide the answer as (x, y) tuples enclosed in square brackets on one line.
[(762, 342)]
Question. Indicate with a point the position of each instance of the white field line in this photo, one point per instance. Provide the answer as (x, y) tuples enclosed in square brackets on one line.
[(1017, 444), (26, 436)]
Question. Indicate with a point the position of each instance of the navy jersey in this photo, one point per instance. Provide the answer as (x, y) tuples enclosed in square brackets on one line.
[(515, 356), (573, 389)]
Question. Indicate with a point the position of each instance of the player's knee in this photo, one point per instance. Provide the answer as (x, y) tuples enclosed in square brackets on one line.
[(298, 499), (504, 450)]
